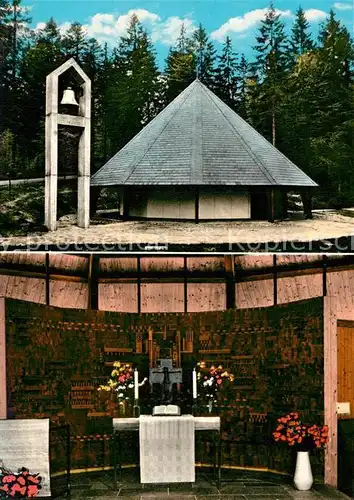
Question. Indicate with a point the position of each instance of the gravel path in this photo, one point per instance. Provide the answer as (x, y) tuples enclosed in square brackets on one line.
[(323, 226)]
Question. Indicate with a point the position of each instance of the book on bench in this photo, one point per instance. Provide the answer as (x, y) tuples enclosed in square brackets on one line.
[(166, 410)]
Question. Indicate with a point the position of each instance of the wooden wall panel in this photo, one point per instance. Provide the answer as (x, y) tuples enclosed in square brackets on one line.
[(65, 262), (162, 297), (3, 384), (67, 294), (330, 388), (284, 260), (208, 264), (253, 261), (23, 258), (206, 297), (161, 264), (30, 289), (122, 264), (120, 297), (3, 285), (254, 294), (341, 284), (299, 288), (345, 308)]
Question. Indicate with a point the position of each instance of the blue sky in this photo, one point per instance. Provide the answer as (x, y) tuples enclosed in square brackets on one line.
[(106, 20)]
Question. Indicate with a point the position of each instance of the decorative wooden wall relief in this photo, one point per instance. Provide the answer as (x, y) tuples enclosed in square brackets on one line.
[(162, 343), (56, 358)]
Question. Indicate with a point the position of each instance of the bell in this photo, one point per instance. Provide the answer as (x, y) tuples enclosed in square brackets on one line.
[(69, 98)]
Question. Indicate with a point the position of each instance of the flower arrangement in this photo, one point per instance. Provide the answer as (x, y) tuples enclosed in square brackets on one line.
[(211, 380), (20, 484), (292, 431), (121, 381)]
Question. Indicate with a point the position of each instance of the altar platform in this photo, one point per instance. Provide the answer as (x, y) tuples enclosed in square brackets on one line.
[(236, 485)]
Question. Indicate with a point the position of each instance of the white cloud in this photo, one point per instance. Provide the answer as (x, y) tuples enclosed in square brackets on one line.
[(144, 16), (63, 28), (39, 26), (243, 23), (109, 27), (315, 15), (343, 6), (101, 24), (169, 31)]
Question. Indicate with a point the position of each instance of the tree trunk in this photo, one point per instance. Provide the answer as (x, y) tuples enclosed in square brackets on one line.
[(273, 126)]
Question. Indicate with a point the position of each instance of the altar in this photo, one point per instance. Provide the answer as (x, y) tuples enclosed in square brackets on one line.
[(166, 446)]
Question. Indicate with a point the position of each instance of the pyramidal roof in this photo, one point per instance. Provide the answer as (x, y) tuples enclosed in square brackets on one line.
[(198, 140)]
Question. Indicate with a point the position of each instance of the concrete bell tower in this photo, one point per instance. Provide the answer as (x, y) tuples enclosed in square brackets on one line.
[(82, 121)]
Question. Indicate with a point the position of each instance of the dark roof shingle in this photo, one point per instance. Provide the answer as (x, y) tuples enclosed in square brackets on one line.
[(198, 140)]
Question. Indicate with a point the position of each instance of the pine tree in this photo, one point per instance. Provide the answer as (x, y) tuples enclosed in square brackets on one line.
[(335, 108), (18, 20), (317, 118), (41, 58), (243, 89), (135, 88), (4, 50), (15, 16), (272, 46), (226, 78), (180, 67), (205, 55), (4, 30), (75, 43), (93, 63), (301, 41), (271, 63)]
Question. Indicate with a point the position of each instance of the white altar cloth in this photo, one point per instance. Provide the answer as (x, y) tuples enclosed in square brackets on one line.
[(166, 449), (196, 424)]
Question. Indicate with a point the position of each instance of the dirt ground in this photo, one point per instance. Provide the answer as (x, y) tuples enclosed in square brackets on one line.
[(325, 225)]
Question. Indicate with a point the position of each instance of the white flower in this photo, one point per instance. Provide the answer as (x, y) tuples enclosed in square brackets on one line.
[(121, 395), (131, 386)]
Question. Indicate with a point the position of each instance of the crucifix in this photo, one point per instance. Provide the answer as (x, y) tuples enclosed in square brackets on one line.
[(165, 375)]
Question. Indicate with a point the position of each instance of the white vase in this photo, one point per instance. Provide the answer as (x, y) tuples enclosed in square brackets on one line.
[(210, 405), (303, 478)]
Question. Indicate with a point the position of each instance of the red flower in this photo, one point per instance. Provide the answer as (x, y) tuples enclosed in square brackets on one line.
[(9, 478), (33, 479), (17, 488), (32, 491)]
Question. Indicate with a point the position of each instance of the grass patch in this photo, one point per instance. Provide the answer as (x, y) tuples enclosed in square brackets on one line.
[(22, 208)]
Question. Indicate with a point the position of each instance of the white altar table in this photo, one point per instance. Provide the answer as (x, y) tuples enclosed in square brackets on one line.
[(166, 445)]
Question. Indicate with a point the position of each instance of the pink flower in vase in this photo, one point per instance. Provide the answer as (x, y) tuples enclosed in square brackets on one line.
[(122, 379)]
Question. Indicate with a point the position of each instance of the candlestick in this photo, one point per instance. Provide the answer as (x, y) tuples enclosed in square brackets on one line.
[(136, 384), (194, 384)]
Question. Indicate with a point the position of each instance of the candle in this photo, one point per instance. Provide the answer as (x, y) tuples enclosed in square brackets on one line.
[(194, 384), (136, 384)]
